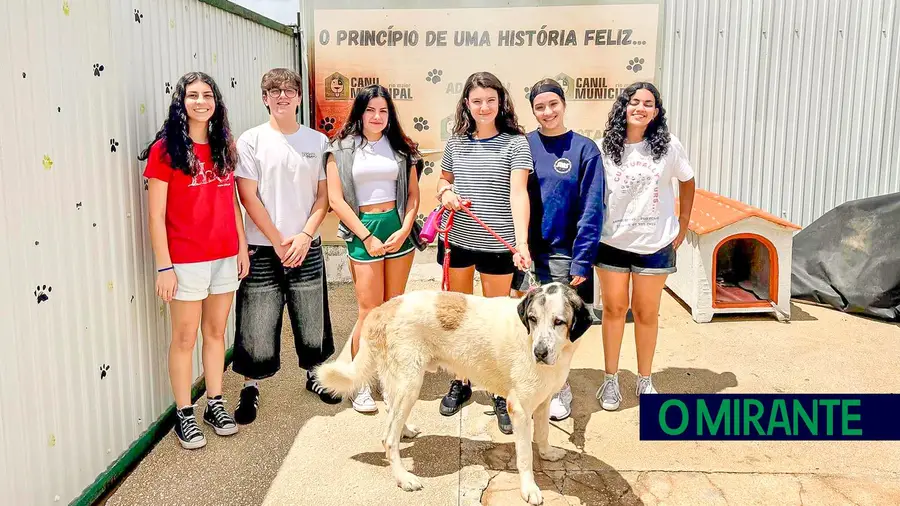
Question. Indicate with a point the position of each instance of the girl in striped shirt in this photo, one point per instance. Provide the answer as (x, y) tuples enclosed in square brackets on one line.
[(486, 162)]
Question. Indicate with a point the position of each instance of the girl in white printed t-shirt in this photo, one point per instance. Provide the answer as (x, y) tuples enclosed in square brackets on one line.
[(643, 163)]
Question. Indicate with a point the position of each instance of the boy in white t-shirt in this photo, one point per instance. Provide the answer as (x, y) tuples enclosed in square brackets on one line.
[(642, 228), (281, 182)]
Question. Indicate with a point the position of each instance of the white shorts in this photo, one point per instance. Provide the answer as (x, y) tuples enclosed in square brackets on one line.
[(198, 280)]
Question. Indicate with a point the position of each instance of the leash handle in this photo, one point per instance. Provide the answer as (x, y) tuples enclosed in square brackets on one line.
[(445, 281)]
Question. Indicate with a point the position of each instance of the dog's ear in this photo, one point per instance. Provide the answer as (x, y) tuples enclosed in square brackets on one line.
[(524, 304), (581, 315)]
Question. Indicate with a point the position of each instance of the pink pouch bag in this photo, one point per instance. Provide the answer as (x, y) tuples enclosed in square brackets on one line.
[(430, 227)]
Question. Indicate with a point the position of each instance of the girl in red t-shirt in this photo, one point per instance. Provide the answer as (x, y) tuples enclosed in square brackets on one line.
[(197, 232)]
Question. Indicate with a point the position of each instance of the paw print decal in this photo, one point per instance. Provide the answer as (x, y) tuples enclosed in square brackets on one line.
[(113, 145), (168, 88), (420, 219), (103, 370), (23, 75), (59, 109), (420, 123), (41, 293), (527, 93), (434, 76), (635, 65), (138, 16), (233, 82), (78, 206), (327, 124), (97, 69), (429, 168), (47, 162), (146, 184), (66, 10)]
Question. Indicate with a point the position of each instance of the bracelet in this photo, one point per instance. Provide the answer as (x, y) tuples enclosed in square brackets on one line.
[(307, 235), (367, 237), (169, 268), (442, 190)]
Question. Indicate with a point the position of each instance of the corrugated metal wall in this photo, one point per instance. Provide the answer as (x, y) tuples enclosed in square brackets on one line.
[(85, 85), (789, 105)]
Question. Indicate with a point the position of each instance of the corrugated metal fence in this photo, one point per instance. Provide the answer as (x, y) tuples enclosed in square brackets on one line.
[(789, 105), (85, 85)]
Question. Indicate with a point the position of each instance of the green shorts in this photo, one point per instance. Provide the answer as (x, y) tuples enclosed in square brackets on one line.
[(382, 225)]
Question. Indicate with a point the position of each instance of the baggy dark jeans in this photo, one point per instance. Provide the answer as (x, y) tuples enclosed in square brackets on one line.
[(260, 305)]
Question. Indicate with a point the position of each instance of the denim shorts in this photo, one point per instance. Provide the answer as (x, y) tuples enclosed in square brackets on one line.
[(547, 268), (198, 280), (260, 306), (485, 262), (617, 260), (382, 225)]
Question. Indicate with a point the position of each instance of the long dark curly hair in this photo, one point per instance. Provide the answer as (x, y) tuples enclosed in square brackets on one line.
[(506, 121), (398, 140), (657, 133), (177, 142)]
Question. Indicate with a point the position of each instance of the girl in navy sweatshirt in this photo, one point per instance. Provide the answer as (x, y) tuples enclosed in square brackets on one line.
[(566, 194)]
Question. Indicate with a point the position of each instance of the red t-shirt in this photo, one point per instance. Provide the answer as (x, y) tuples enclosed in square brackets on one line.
[(200, 216)]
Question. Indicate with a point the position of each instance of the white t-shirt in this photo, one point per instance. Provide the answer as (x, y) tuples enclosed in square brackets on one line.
[(375, 173), (640, 197), (287, 169)]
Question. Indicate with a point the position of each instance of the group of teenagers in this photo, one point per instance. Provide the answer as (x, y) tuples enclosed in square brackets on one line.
[(568, 204)]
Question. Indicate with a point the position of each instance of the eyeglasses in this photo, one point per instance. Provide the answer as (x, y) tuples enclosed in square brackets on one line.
[(275, 93)]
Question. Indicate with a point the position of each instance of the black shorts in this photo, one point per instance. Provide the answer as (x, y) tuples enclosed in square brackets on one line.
[(485, 262)]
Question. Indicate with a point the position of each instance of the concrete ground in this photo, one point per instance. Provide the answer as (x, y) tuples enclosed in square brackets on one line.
[(303, 452)]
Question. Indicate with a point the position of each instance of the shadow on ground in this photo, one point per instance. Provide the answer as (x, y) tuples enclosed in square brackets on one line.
[(238, 469), (578, 475)]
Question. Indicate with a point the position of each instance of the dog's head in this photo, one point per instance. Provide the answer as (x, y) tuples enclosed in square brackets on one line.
[(554, 315)]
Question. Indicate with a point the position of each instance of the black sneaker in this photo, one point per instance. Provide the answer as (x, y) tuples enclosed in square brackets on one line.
[(219, 419), (502, 415), (458, 395), (313, 386), (186, 429), (248, 405)]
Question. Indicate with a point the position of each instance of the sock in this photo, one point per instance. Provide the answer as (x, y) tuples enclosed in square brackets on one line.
[(612, 376), (251, 383)]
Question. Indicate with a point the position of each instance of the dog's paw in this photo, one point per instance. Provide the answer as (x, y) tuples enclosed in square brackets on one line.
[(410, 431), (553, 454), (409, 482), (532, 494)]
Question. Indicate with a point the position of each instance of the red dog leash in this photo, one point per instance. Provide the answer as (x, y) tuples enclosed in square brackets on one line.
[(445, 282)]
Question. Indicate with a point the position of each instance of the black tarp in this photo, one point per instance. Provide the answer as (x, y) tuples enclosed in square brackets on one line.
[(850, 258)]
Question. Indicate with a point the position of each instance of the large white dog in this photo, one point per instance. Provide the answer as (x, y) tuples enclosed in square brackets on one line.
[(520, 349)]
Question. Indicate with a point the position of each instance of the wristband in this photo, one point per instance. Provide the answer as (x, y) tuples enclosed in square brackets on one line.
[(444, 189), (367, 237), (169, 268)]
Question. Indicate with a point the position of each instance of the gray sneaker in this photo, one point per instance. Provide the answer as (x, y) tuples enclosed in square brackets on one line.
[(609, 394), (644, 386)]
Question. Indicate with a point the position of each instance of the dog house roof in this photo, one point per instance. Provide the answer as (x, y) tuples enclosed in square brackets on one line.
[(712, 212)]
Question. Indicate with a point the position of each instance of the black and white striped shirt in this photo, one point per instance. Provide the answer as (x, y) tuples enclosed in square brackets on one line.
[(481, 170)]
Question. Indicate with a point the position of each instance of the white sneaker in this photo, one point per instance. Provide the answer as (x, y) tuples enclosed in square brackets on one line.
[(609, 393), (363, 402), (644, 386), (561, 404)]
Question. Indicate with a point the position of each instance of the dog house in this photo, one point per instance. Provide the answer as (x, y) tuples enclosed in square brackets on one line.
[(736, 258)]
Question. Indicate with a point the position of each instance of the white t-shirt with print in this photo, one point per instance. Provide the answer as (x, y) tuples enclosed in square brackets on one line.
[(640, 197), (287, 169)]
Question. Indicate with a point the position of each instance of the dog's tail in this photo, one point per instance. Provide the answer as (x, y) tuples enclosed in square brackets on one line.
[(345, 378)]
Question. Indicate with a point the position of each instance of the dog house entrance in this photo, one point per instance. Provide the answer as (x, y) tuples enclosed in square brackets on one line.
[(745, 270)]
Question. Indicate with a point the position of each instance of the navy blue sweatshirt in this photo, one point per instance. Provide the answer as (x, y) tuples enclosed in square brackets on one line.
[(566, 192)]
